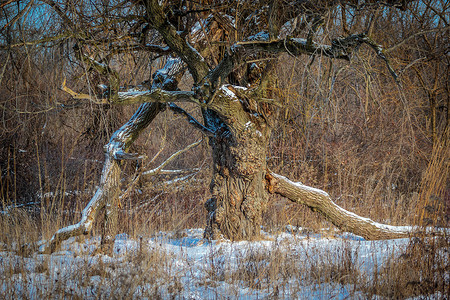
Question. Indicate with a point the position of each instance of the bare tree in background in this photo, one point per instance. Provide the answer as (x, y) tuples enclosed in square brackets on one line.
[(229, 50)]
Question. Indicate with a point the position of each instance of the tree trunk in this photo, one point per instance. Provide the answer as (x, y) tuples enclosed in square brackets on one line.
[(241, 180), (239, 154)]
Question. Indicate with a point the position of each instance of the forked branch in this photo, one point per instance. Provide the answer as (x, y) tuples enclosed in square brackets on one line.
[(159, 169), (341, 48), (107, 190), (178, 110), (196, 64), (115, 151)]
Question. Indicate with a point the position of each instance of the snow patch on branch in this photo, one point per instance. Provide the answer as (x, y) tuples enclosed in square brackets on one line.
[(301, 185), (228, 92), (384, 227), (350, 215), (197, 27), (238, 87), (301, 41), (195, 51), (287, 28), (133, 93), (164, 75), (231, 19), (198, 30)]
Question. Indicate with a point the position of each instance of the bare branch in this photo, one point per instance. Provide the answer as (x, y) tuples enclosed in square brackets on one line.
[(61, 14), (341, 48), (131, 48), (136, 96), (390, 49), (178, 172), (36, 42), (293, 46), (155, 95), (159, 169), (4, 68), (321, 202), (109, 182), (19, 15), (136, 179), (115, 150), (103, 69), (380, 52), (6, 2), (196, 64), (79, 96), (178, 110)]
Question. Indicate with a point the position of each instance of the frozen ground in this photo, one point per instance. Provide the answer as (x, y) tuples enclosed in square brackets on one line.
[(182, 265)]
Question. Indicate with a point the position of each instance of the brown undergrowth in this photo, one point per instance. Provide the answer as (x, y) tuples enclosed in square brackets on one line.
[(378, 149)]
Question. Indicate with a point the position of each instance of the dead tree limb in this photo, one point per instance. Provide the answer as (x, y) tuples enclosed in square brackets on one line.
[(321, 202), (159, 169), (108, 188)]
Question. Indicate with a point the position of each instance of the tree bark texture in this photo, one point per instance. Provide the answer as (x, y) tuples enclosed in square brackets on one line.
[(239, 154), (241, 180), (237, 120), (321, 202)]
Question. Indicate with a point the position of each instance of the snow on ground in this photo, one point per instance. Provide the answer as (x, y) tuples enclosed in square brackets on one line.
[(185, 266)]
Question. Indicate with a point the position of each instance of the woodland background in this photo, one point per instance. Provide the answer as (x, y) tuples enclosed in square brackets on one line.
[(348, 128), (379, 148)]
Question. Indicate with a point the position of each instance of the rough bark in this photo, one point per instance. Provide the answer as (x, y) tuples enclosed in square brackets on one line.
[(239, 154), (239, 193), (235, 120), (321, 202)]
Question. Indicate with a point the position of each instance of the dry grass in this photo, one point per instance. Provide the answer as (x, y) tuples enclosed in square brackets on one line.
[(378, 149), (372, 182), (421, 270)]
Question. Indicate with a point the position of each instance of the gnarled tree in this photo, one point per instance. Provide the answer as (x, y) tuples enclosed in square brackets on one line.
[(230, 50)]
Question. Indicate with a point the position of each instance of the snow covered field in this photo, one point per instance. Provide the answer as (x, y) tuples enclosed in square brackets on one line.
[(182, 265)]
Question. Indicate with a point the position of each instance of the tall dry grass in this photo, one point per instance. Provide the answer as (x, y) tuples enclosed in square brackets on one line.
[(380, 150)]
